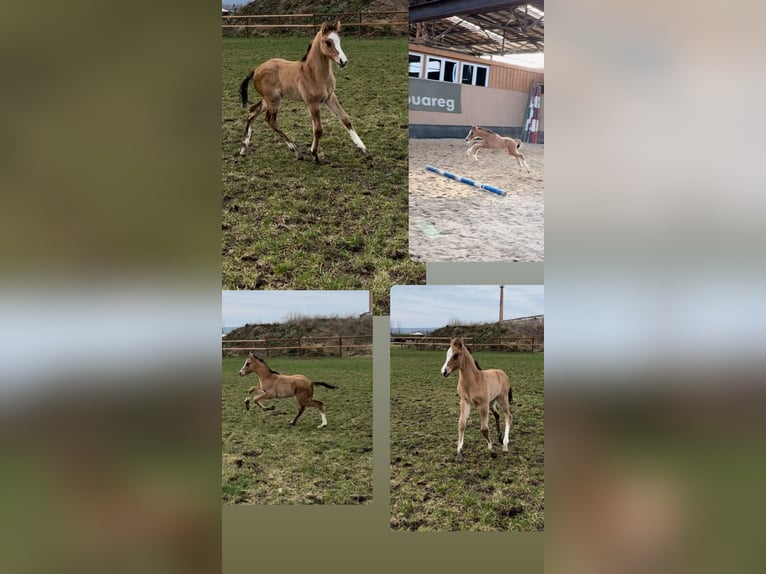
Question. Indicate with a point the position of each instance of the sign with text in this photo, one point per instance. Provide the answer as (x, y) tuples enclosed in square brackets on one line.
[(433, 96)]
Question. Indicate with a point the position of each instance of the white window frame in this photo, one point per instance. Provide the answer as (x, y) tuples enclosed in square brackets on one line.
[(441, 69), (474, 74), (422, 67)]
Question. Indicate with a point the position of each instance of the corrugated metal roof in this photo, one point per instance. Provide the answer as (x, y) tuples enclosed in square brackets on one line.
[(488, 28)]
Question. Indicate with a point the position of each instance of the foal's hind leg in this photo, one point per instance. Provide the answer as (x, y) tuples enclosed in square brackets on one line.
[(319, 405), (300, 412), (335, 108), (271, 118), (520, 159), (255, 109), (497, 419), (484, 414)]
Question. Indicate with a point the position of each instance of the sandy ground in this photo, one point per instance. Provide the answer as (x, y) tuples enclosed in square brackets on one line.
[(452, 221)]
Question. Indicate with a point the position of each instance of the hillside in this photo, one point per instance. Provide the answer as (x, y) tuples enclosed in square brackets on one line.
[(308, 333), (484, 332), (309, 7), (376, 18)]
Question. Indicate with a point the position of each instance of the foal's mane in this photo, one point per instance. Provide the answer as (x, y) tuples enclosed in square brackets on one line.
[(272, 371), (488, 130), (470, 351), (306, 55)]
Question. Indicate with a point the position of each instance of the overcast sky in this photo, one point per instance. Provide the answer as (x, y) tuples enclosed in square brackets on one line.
[(430, 306), (241, 307)]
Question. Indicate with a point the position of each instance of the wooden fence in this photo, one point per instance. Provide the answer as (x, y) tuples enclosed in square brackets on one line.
[(359, 23), (496, 344), (334, 346)]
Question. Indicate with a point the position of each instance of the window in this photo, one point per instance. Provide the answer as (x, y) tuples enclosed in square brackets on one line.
[(441, 69), (474, 74), (416, 65)]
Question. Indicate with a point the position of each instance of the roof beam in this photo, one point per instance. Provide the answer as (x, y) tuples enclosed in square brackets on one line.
[(436, 9)]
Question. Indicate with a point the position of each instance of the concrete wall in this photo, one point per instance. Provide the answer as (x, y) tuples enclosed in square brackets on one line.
[(500, 110)]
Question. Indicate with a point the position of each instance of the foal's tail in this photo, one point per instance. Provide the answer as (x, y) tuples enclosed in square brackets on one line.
[(325, 385), (518, 145), (243, 88), (510, 394)]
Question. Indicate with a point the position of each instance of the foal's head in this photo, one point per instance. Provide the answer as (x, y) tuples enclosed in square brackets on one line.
[(328, 42), (249, 366), (455, 355), (472, 134)]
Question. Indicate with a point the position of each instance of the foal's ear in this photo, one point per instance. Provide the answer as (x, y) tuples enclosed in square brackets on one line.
[(334, 27)]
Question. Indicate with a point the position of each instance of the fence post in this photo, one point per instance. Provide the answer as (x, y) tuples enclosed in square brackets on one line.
[(359, 33), (340, 346), (266, 344)]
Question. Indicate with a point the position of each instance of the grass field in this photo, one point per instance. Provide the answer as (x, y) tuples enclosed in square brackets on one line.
[(429, 491), (268, 461), (290, 224)]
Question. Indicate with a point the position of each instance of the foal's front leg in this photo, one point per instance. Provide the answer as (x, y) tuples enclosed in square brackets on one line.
[(338, 112), (474, 149), (316, 124), (465, 410), (261, 395)]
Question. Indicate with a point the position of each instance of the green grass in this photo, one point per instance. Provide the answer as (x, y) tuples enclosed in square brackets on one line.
[(265, 460), (429, 491), (290, 224)]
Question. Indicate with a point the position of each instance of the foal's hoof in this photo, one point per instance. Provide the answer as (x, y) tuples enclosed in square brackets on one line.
[(322, 425), (459, 457), (493, 454), (247, 405)]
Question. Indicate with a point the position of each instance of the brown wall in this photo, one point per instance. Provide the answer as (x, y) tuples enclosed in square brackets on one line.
[(501, 76)]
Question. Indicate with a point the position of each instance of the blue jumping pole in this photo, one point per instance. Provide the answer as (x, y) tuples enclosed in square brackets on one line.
[(465, 180)]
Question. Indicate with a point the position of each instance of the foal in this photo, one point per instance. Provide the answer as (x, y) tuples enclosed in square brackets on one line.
[(310, 80), (482, 138), (482, 389), (277, 386)]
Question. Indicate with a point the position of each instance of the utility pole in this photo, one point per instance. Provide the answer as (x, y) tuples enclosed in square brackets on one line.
[(500, 321)]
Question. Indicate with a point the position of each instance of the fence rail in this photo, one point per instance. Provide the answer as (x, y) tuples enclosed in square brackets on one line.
[(502, 344), (336, 345), (394, 22)]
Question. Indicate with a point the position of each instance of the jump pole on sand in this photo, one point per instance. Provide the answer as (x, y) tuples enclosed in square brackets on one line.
[(465, 180)]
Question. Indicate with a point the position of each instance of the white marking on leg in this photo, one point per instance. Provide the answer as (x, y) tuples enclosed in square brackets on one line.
[(505, 436), (355, 138), (324, 421)]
